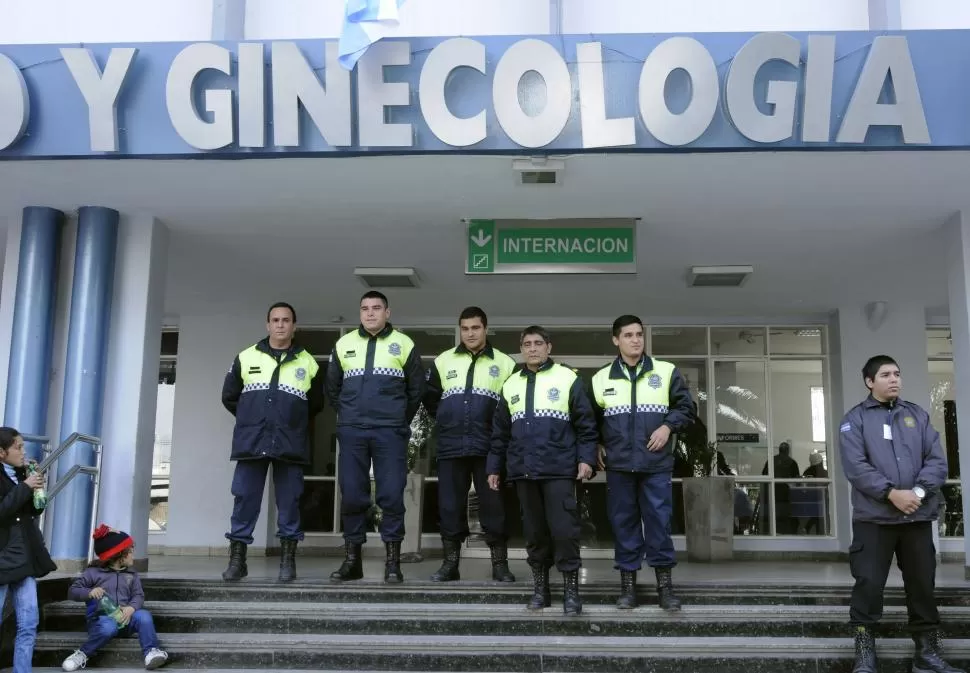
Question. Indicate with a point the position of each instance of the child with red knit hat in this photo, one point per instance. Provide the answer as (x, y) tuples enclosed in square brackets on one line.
[(113, 576)]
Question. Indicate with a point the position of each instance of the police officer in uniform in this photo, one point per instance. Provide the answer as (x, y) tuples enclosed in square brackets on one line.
[(544, 439), (375, 382), (640, 402), (464, 386), (274, 389), (892, 456)]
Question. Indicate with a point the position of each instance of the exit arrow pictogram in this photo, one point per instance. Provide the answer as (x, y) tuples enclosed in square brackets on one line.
[(481, 239)]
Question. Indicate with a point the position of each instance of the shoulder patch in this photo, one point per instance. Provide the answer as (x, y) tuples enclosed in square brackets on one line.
[(846, 427)]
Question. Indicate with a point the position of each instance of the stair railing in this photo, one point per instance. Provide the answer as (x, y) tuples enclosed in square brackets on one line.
[(50, 457)]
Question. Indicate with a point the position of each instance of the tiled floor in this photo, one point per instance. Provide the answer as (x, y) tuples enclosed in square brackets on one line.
[(595, 571)]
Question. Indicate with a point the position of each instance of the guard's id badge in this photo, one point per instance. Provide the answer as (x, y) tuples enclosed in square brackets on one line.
[(887, 432)]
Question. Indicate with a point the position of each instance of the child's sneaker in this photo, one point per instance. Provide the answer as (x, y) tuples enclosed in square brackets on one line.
[(155, 658), (75, 662)]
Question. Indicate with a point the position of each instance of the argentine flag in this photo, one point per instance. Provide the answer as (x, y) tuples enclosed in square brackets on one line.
[(365, 22)]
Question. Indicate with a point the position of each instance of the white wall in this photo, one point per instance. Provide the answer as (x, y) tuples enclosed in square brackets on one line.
[(663, 16), (934, 14), (200, 502), (71, 21)]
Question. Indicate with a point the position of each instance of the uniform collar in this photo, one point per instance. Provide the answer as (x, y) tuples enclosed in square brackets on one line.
[(264, 347), (547, 365), (620, 368), (871, 403), (488, 351), (364, 334)]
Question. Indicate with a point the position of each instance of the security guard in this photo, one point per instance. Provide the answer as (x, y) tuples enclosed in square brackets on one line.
[(464, 387), (545, 440), (892, 456), (640, 402), (375, 381), (274, 389)]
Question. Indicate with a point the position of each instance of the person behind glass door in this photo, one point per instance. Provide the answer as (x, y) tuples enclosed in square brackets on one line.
[(273, 389), (544, 440), (23, 556), (640, 402), (464, 387), (375, 382), (892, 457)]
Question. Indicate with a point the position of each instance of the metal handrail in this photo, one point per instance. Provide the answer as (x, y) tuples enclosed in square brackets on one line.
[(60, 484)]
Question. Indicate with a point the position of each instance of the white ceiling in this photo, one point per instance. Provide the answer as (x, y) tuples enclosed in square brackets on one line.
[(821, 228)]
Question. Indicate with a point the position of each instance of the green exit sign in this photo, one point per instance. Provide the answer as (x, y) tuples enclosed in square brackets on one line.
[(551, 246)]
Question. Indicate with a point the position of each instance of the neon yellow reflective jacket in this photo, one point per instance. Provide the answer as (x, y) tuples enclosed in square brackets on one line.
[(375, 381)]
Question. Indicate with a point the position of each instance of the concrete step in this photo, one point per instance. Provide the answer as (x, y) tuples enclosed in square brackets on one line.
[(525, 654), (470, 591), (501, 619)]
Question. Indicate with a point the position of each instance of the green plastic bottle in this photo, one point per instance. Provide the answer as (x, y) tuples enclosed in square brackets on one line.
[(40, 494), (110, 608)]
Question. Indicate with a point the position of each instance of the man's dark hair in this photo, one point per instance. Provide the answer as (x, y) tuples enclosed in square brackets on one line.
[(784, 448), (281, 304), (625, 321), (374, 294), (874, 364), (7, 437), (473, 312), (536, 330)]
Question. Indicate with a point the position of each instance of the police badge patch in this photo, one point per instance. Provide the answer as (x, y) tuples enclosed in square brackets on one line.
[(493, 371), (394, 349), (514, 400), (553, 394), (452, 374), (654, 381), (300, 374)]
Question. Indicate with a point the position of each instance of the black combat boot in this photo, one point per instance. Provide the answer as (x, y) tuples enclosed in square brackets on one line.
[(571, 602), (541, 596), (628, 590), (392, 566), (287, 560), (352, 568), (448, 572), (865, 651), (500, 563), (237, 562), (665, 589), (929, 651)]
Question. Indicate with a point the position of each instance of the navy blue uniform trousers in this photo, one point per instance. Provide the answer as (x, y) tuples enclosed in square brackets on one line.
[(248, 482), (387, 448), (550, 520), (640, 507), (455, 476)]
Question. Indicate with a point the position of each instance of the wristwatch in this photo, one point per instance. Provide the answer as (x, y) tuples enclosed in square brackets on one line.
[(919, 491)]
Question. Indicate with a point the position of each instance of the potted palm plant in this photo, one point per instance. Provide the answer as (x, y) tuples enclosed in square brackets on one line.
[(708, 502)]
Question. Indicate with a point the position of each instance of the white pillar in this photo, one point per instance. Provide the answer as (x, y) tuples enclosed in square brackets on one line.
[(855, 337), (957, 236), (200, 502), (131, 383)]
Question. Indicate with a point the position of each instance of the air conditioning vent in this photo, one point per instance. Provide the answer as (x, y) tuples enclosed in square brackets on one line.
[(719, 276), (539, 177), (387, 277)]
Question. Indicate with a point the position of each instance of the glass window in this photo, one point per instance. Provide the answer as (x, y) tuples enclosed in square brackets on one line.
[(506, 340), (798, 418), (170, 342), (796, 340), (432, 342), (738, 341), (678, 340), (939, 343), (317, 505), (566, 341), (741, 416), (164, 421), (319, 342), (943, 416), (695, 373), (818, 414)]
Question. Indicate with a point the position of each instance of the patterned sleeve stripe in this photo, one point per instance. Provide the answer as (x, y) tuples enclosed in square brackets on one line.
[(542, 413), (484, 392), (353, 372), (641, 409), (293, 391), (254, 387), (389, 371)]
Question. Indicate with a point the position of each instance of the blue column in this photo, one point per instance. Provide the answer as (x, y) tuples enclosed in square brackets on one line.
[(84, 373), (28, 377)]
